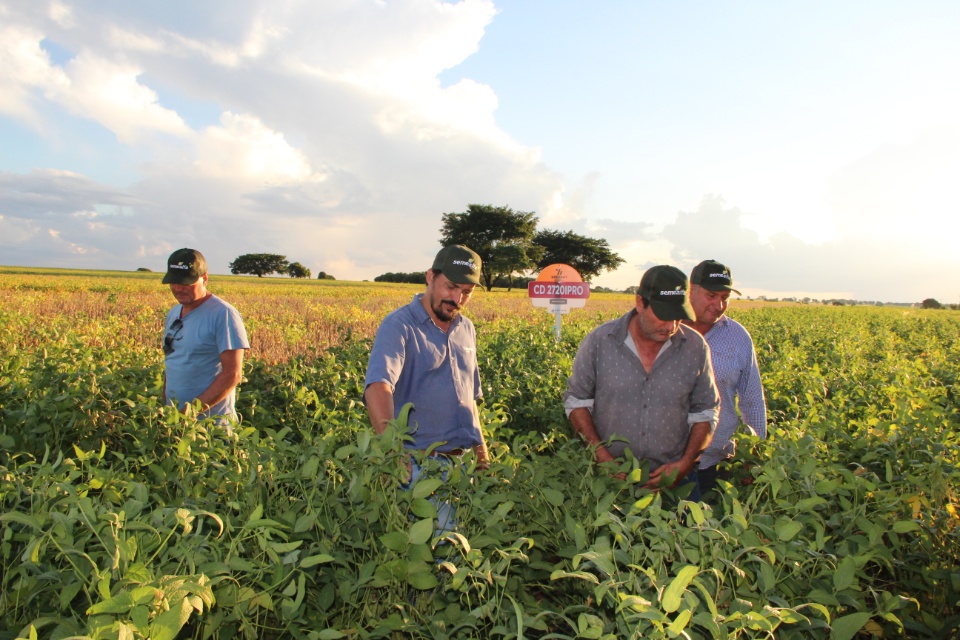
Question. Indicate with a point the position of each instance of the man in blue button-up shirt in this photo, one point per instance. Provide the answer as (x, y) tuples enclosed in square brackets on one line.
[(734, 366), (426, 353)]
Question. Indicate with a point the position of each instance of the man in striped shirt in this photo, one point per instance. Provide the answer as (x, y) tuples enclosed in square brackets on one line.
[(734, 367)]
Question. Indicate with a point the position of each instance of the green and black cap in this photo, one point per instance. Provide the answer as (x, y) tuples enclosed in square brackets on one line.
[(713, 276), (666, 289), (185, 266), (459, 264)]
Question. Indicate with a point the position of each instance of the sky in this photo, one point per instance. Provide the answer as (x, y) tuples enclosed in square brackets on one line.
[(813, 147)]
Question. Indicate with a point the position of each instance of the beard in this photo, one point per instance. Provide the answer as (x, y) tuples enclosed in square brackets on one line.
[(441, 313)]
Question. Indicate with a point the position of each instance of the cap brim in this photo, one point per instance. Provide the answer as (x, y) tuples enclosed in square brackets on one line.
[(720, 287), (463, 279), (672, 310), (177, 278)]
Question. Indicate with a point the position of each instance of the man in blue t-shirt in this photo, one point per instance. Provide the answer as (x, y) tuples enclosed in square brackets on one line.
[(203, 342)]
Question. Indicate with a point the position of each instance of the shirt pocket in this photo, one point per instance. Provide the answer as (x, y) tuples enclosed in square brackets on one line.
[(431, 357)]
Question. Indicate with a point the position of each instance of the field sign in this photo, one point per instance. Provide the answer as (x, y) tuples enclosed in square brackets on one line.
[(559, 288)]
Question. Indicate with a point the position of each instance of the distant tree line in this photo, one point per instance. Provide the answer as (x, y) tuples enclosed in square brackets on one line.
[(263, 264), (417, 277)]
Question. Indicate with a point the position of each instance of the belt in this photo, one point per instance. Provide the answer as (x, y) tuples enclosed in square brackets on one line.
[(452, 453)]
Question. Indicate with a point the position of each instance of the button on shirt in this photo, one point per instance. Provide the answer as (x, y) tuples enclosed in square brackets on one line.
[(738, 378), (435, 370), (651, 411)]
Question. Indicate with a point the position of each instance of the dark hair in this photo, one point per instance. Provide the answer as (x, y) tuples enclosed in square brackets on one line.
[(645, 302)]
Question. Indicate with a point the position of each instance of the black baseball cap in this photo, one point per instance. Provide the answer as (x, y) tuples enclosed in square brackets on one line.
[(459, 264), (666, 289), (185, 266), (713, 276)]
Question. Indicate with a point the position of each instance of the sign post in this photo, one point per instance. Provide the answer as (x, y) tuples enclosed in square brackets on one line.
[(558, 289)]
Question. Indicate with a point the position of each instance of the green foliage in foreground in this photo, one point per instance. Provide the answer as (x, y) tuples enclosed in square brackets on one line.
[(121, 519)]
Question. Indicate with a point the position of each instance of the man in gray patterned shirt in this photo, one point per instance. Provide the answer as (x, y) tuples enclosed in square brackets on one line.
[(647, 380)]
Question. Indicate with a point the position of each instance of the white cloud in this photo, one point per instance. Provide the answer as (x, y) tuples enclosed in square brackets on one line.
[(244, 149), (26, 75), (110, 93), (883, 269), (89, 86)]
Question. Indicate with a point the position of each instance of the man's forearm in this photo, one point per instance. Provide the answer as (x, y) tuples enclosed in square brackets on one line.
[(380, 407), (697, 442), (480, 450), (231, 373), (220, 388), (582, 422)]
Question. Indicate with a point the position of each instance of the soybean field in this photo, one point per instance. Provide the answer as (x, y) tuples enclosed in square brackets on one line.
[(121, 518)]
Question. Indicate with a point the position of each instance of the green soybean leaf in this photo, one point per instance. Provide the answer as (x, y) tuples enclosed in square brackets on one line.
[(306, 522), (423, 508), (20, 518), (553, 496), (589, 626), (787, 529), (808, 504), (120, 603), (680, 622), (421, 531), (404, 416), (321, 558), (284, 547), (905, 526), (256, 515), (827, 487), (673, 594), (582, 575), (309, 470), (697, 512), (421, 577), (845, 574), (425, 487), (168, 624), (395, 540), (846, 627)]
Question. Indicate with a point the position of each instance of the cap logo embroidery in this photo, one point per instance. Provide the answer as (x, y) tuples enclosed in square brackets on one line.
[(718, 275), (678, 292), (180, 265), (464, 263)]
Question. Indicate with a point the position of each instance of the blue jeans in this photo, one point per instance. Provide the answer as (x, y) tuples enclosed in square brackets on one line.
[(446, 512)]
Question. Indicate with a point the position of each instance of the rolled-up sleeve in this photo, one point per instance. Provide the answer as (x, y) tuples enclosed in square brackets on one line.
[(581, 386), (705, 398), (387, 355)]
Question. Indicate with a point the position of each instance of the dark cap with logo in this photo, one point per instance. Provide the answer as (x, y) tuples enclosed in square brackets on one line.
[(713, 276), (459, 264), (185, 266), (666, 289)]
